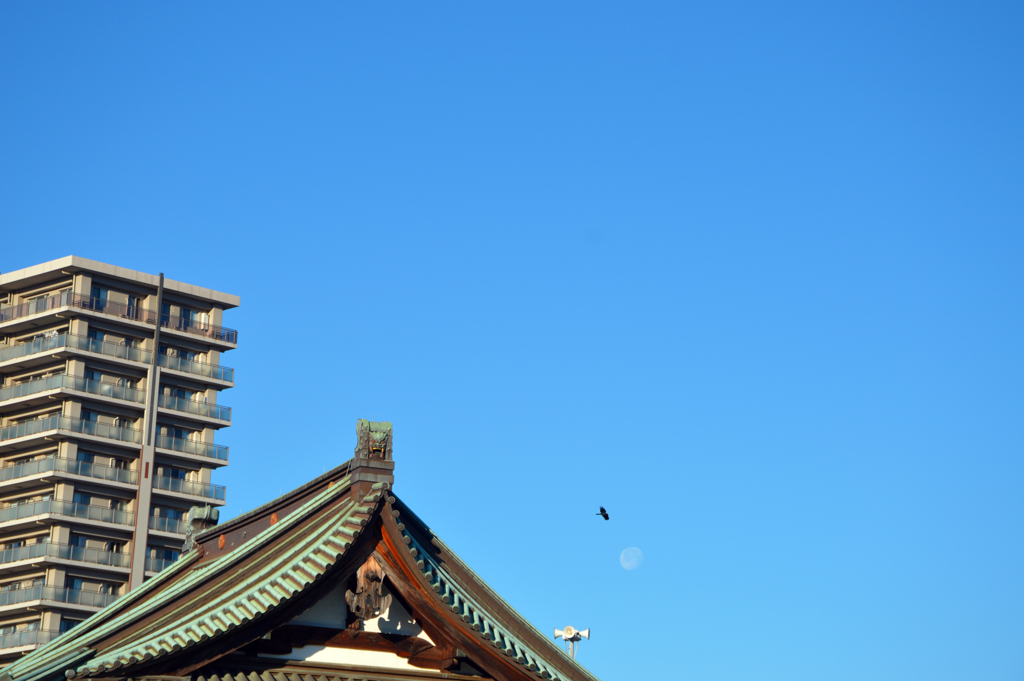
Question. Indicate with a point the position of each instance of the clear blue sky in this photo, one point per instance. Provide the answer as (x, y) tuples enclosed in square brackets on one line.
[(748, 276)]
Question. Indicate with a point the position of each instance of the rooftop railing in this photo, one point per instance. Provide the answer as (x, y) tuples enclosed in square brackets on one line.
[(102, 347), (58, 594), (36, 637), (56, 463), (166, 524), (133, 312), (67, 552), (213, 411), (58, 422), (86, 385), (66, 508), (200, 489), (208, 450)]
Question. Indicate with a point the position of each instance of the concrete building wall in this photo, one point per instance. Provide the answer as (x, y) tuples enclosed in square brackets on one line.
[(82, 517)]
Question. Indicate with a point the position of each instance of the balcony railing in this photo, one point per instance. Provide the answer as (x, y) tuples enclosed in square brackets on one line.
[(166, 524), (67, 552), (66, 508), (79, 383), (213, 411), (58, 422), (55, 463), (214, 371), (132, 312), (66, 340), (54, 343), (36, 637), (58, 594), (210, 451), (158, 564), (36, 306), (200, 489), (33, 347)]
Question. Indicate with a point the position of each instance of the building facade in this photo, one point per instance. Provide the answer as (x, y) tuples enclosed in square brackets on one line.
[(338, 580), (109, 406)]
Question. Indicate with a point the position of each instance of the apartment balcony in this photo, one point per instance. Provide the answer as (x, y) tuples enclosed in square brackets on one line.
[(214, 372), (25, 433), (170, 525), (65, 344), (37, 310), (68, 509), (29, 473), (196, 489), (24, 639), (158, 564), (43, 387), (58, 595), (218, 453), (207, 412), (79, 554)]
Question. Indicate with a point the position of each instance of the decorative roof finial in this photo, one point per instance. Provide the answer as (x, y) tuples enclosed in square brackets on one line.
[(199, 518), (373, 440), (373, 462)]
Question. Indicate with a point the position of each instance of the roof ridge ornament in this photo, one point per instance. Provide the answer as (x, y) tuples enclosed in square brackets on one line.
[(373, 440), (373, 456), (199, 519)]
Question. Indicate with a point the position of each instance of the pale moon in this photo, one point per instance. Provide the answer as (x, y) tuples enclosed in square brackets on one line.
[(631, 558)]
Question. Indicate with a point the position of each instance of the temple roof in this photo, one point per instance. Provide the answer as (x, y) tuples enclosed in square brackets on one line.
[(245, 580)]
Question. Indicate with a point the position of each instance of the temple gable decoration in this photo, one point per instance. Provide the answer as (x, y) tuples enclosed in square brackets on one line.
[(368, 600), (337, 579)]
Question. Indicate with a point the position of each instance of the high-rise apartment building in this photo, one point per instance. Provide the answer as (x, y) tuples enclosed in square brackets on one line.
[(109, 387)]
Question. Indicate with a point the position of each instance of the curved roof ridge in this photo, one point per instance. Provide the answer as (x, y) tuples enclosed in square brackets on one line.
[(291, 571), (483, 621), (263, 508), (112, 617), (188, 612)]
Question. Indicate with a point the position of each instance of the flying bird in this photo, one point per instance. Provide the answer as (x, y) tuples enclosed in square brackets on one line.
[(603, 513)]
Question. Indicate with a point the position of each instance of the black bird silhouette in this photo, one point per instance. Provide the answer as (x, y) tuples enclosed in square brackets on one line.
[(603, 513)]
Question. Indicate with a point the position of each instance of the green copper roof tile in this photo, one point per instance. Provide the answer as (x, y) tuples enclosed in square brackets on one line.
[(486, 625), (299, 560)]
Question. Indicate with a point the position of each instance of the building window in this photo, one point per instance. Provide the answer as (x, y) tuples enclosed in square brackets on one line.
[(67, 625), (99, 298), (133, 307)]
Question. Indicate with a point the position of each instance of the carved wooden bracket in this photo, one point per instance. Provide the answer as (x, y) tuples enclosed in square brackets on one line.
[(368, 600)]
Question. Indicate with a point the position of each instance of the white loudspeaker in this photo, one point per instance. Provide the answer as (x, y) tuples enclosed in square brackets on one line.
[(585, 634), (558, 633)]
